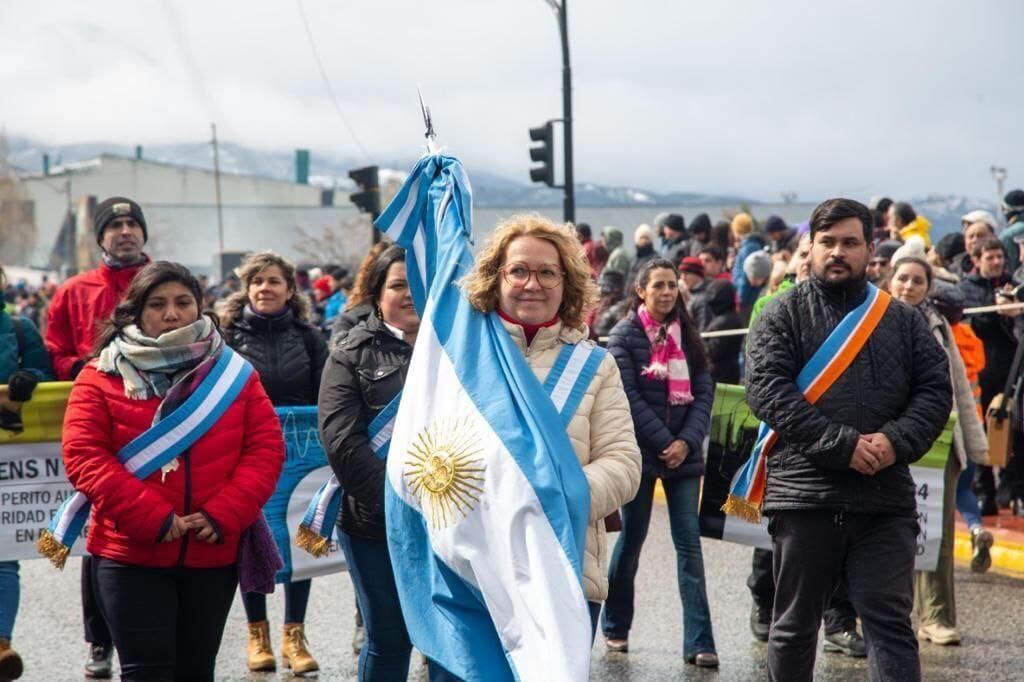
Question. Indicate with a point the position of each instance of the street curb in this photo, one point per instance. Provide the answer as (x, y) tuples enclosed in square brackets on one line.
[(1007, 552)]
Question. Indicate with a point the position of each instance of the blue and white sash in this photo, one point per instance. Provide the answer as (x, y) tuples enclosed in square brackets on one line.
[(155, 447), (314, 533), (566, 384)]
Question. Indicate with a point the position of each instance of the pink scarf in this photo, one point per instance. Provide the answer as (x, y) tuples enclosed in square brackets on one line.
[(668, 361)]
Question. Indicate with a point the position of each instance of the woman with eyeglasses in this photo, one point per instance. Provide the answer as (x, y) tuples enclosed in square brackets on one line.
[(534, 274), (665, 373)]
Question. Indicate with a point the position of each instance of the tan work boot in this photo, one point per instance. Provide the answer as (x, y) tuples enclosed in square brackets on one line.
[(10, 662), (294, 653), (261, 656)]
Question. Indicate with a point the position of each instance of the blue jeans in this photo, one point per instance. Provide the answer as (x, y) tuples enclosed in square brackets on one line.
[(681, 494), (385, 652), (966, 500), (10, 594)]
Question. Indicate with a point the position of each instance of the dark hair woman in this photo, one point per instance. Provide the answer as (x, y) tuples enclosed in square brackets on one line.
[(360, 303), (365, 371), (167, 542), (665, 375), (267, 322)]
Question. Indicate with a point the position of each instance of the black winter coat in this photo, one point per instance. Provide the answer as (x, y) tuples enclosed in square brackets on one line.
[(656, 422), (288, 354), (364, 372), (723, 351), (997, 332), (897, 385), (349, 319)]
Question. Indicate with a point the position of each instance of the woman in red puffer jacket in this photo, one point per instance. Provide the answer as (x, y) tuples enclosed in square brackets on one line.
[(167, 545)]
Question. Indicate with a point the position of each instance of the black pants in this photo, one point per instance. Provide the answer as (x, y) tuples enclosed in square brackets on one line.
[(839, 615), (814, 551), (167, 622), (96, 630)]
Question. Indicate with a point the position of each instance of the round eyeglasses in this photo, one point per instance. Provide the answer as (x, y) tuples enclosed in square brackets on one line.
[(518, 275)]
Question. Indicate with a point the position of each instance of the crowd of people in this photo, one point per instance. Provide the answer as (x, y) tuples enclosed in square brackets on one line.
[(168, 540)]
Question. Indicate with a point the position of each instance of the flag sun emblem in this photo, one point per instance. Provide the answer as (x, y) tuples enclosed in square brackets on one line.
[(443, 471)]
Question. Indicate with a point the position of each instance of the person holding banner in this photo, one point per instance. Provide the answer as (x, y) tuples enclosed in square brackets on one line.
[(23, 364), (171, 440), (851, 388), (934, 597), (267, 322), (363, 375), (665, 375)]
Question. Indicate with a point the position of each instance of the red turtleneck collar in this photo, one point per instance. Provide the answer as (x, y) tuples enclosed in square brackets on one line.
[(529, 329)]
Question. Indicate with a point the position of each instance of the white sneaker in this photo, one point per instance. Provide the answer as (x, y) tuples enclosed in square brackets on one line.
[(937, 633)]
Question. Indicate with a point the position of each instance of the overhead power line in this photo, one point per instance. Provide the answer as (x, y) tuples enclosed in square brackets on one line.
[(327, 81)]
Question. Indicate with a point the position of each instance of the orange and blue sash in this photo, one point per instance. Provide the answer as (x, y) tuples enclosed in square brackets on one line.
[(826, 365)]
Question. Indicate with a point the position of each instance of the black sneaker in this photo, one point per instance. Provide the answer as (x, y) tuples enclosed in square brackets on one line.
[(849, 642), (99, 665), (989, 506), (760, 623), (981, 542)]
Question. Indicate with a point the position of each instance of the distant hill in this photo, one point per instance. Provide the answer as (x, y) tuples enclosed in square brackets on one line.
[(489, 190)]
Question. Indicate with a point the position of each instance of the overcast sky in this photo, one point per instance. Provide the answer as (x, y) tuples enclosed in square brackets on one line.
[(756, 98)]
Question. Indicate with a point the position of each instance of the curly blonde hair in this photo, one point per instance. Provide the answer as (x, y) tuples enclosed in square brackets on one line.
[(580, 293)]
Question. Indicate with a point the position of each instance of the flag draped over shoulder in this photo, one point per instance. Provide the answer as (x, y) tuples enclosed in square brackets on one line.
[(487, 506)]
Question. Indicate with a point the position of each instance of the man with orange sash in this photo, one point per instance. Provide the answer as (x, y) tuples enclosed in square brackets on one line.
[(851, 389)]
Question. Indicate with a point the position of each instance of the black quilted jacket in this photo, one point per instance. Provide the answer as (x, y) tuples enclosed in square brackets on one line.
[(656, 422), (288, 354), (365, 370), (898, 385)]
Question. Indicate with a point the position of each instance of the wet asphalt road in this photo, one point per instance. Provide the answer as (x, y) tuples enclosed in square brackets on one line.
[(990, 610)]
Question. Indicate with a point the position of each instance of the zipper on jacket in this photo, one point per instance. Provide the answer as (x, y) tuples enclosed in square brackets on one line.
[(188, 503)]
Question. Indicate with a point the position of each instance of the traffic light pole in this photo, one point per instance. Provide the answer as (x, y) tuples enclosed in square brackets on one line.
[(569, 203)]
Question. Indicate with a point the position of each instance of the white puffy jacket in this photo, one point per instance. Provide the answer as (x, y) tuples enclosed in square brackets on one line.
[(602, 436)]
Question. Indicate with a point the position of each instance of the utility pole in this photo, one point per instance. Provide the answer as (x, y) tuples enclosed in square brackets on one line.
[(216, 185), (569, 203)]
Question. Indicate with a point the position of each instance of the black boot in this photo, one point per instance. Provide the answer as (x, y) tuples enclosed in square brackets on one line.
[(99, 665)]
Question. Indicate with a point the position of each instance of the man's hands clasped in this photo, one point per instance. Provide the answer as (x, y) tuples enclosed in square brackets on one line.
[(872, 453)]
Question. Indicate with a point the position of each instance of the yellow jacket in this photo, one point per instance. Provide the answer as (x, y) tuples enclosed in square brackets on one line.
[(602, 437), (920, 227)]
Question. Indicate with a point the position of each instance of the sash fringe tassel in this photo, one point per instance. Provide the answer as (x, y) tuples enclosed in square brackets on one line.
[(51, 548), (315, 544), (741, 508)]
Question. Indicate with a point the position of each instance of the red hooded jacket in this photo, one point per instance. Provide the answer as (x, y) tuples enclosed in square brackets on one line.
[(78, 310), (229, 473)]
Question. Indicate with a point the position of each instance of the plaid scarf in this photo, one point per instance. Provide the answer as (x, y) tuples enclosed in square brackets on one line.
[(156, 367), (668, 361)]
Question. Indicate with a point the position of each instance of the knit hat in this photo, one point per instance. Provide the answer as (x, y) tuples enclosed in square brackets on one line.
[(583, 230), (742, 224), (670, 221), (110, 209), (914, 248), (701, 224), (758, 265), (641, 231), (775, 224), (692, 265), (1013, 203), (980, 216), (949, 300), (950, 246), (886, 248)]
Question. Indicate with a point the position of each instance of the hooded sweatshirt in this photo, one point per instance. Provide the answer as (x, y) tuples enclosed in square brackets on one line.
[(618, 259)]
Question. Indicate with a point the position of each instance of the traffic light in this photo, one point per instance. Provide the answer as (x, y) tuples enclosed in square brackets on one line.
[(368, 199), (545, 153)]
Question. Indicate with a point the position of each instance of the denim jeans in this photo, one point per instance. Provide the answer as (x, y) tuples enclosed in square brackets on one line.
[(10, 593), (386, 650), (681, 494), (966, 500), (296, 596)]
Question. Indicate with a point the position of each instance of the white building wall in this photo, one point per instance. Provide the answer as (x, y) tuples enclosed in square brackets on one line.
[(153, 184)]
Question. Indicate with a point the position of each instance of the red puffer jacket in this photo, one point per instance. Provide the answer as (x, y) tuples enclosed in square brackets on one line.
[(80, 306), (229, 474)]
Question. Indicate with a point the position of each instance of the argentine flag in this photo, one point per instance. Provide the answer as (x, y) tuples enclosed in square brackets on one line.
[(487, 505)]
